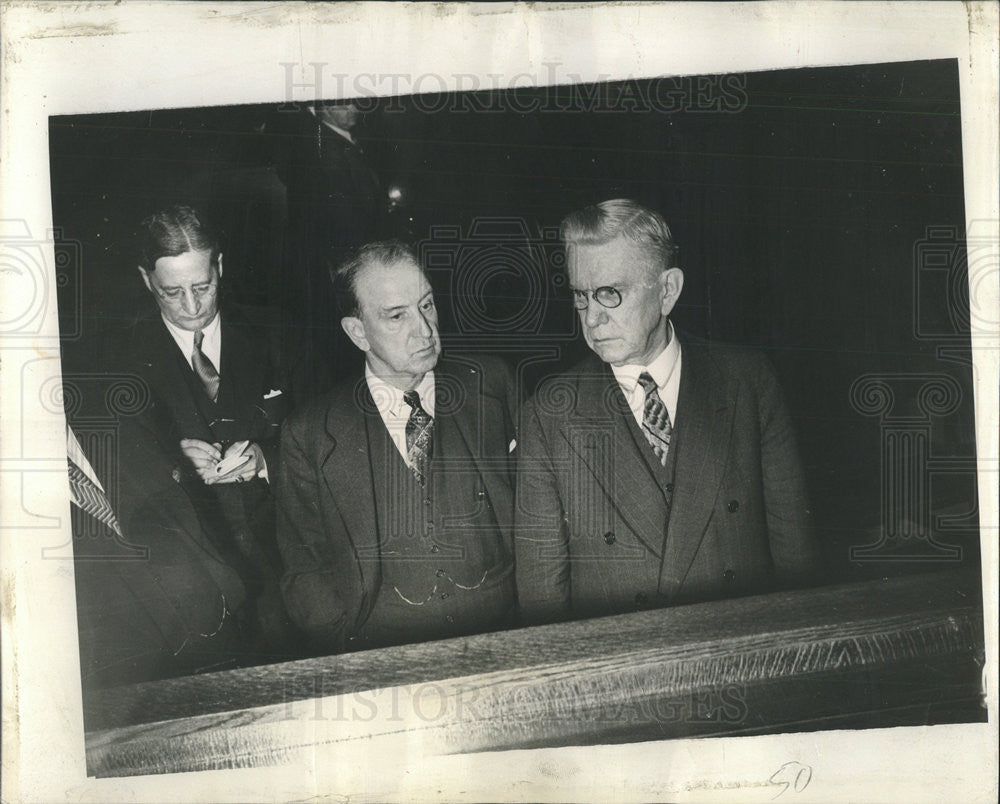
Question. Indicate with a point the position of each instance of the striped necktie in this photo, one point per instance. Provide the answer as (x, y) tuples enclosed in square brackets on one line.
[(419, 433), (655, 419), (204, 369), (89, 498)]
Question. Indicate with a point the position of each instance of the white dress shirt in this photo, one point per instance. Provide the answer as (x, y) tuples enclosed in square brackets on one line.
[(211, 346), (665, 369), (393, 409)]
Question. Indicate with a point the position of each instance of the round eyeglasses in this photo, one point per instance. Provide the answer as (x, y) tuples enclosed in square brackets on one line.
[(606, 296)]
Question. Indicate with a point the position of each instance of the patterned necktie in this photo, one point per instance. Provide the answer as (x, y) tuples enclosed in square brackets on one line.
[(89, 498), (655, 419), (204, 369), (419, 432)]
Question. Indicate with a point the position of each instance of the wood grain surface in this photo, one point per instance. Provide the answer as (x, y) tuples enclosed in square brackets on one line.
[(887, 652)]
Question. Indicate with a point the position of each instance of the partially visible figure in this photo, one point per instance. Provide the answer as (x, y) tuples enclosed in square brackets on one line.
[(335, 203), (157, 595), (396, 494), (660, 469), (218, 381)]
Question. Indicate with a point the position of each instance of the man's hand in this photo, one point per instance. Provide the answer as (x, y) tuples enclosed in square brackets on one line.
[(202, 456), (243, 472), (205, 457)]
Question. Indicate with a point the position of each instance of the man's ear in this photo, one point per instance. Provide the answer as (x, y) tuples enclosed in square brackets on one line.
[(673, 283), (145, 277), (218, 262), (355, 329)]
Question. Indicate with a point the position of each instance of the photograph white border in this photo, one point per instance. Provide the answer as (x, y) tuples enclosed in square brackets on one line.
[(63, 58)]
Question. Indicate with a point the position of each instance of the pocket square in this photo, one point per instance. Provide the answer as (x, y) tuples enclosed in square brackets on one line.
[(271, 394), (512, 446)]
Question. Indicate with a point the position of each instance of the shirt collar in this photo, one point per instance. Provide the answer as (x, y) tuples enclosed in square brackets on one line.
[(343, 132), (388, 398), (660, 368), (187, 336)]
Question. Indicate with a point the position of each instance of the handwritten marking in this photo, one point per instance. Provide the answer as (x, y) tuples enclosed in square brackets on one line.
[(792, 774)]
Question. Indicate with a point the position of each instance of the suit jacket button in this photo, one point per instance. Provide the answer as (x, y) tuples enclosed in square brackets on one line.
[(729, 576), (435, 548), (609, 537), (669, 488), (733, 506), (641, 600)]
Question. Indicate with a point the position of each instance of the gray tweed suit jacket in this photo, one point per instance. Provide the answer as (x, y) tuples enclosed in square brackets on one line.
[(596, 534)]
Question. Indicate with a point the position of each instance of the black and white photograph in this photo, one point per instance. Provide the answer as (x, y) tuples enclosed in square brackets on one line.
[(508, 423)]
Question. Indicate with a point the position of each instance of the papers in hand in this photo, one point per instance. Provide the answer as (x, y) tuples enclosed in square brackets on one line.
[(233, 459)]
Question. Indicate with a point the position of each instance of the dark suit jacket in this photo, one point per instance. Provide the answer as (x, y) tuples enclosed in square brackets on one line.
[(334, 194), (250, 370), (160, 600), (247, 408), (327, 528), (589, 531)]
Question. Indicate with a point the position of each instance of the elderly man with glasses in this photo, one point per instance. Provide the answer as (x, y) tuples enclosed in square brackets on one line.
[(659, 470)]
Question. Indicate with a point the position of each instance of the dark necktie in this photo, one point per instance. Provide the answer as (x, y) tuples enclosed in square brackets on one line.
[(419, 432), (89, 498), (655, 419), (204, 369)]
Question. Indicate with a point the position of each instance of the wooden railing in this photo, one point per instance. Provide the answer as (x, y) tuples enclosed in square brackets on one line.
[(892, 652)]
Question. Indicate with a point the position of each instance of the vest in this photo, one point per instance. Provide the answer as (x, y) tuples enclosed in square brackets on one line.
[(446, 569), (664, 476)]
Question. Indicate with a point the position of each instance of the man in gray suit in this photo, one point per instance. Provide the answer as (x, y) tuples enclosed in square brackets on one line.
[(659, 470), (395, 500)]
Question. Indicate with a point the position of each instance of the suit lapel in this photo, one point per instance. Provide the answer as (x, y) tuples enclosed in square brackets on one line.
[(477, 421), (705, 418), (166, 371), (347, 470), (597, 430), (241, 369)]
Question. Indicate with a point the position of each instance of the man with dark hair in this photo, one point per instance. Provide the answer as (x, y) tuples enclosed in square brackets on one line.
[(396, 491), (659, 470), (217, 379)]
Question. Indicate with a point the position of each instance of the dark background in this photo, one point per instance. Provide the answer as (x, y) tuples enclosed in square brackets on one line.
[(819, 214)]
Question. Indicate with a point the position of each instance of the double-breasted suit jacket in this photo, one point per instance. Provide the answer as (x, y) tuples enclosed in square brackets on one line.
[(602, 528), (338, 544)]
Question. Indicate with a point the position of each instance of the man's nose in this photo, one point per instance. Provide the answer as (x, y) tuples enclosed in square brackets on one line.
[(190, 304), (424, 328), (594, 315)]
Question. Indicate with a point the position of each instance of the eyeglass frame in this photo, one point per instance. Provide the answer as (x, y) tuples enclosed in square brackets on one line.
[(585, 295), (210, 289)]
